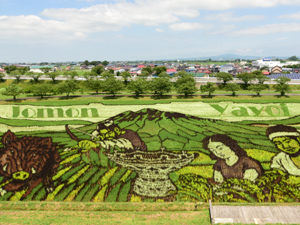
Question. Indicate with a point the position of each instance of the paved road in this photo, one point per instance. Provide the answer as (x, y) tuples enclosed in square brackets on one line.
[(255, 214)]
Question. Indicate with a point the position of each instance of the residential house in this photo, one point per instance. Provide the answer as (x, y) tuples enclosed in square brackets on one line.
[(181, 68), (276, 70), (37, 69), (227, 68), (215, 69)]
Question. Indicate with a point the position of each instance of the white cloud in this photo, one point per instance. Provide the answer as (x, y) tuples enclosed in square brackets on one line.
[(268, 29), (66, 23), (248, 50), (218, 5), (224, 29), (228, 17), (282, 39), (187, 26), (159, 30), (28, 26), (291, 16), (104, 17)]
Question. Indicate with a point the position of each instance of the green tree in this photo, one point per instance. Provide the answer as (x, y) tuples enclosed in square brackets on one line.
[(46, 70), (106, 75), (11, 68), (257, 88), (293, 58), (209, 87), (53, 75), (144, 74), (98, 70), (86, 62), (282, 85), (1, 77), (35, 76), (246, 78), (95, 63), (16, 74), (147, 69), (67, 87), (41, 89), (23, 70), (71, 74), (225, 77), (159, 69), (138, 86), (125, 76), (105, 63), (233, 87), (260, 77), (264, 68), (112, 85), (12, 90), (94, 84), (185, 83), (111, 71), (162, 84), (88, 74), (282, 80)]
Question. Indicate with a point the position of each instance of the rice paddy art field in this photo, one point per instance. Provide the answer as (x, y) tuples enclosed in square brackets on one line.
[(175, 152)]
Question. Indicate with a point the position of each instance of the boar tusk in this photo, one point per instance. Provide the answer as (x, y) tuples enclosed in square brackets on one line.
[(33, 170), (5, 167)]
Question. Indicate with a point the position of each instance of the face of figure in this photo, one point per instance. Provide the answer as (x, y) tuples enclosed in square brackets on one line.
[(220, 150), (287, 144)]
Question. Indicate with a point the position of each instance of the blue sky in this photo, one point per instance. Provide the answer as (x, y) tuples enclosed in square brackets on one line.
[(74, 30)]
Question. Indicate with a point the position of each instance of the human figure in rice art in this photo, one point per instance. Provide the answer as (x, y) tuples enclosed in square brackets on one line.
[(287, 141), (232, 160), (108, 134)]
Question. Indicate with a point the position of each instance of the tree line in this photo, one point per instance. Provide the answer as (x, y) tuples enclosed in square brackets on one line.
[(101, 80), (281, 85)]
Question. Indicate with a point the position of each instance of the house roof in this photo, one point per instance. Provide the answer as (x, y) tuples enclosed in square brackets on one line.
[(171, 70), (39, 67)]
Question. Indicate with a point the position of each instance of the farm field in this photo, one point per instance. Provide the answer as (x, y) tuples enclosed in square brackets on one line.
[(88, 176)]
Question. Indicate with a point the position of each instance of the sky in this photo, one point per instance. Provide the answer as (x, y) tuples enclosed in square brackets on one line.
[(127, 30)]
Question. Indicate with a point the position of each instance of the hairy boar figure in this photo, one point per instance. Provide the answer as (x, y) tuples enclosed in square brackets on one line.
[(25, 162)]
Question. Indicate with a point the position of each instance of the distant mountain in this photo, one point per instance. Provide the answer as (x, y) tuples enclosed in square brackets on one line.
[(224, 57)]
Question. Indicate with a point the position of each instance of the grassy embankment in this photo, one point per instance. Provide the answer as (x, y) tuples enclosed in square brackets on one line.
[(149, 100), (104, 213), (109, 213)]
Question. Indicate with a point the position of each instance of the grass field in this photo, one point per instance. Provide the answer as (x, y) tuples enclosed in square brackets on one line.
[(108, 213)]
